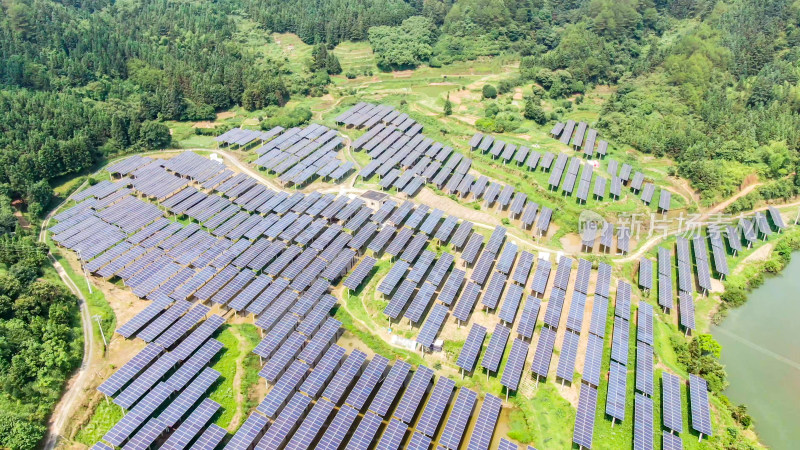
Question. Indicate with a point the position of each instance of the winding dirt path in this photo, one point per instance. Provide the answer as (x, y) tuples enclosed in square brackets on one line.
[(76, 385)]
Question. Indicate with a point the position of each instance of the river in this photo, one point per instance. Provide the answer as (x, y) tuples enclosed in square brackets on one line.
[(761, 352)]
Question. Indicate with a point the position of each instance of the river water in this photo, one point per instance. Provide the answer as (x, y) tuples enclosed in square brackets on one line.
[(761, 352)]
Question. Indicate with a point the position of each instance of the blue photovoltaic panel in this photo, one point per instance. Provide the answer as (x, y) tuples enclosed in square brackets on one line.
[(575, 316), (458, 419), (412, 396), (671, 441), (566, 359), (599, 316), (642, 422), (507, 445), (323, 371), (145, 381), (396, 273), (433, 324), (617, 382), (146, 435), (494, 291), (471, 348), (345, 376), (178, 408), (338, 429), (466, 303), (619, 341), (436, 406), (393, 436), (194, 365), (686, 310), (555, 304), (313, 423), (698, 405), (365, 433), (516, 361), (622, 308), (544, 350), (584, 419), (211, 438), (285, 424), (496, 348), (508, 312), (130, 370), (247, 434), (593, 360), (541, 276), (527, 321), (563, 271), (192, 426), (481, 436), (645, 323), (644, 368), (368, 381), (390, 387), (671, 402), (285, 387)]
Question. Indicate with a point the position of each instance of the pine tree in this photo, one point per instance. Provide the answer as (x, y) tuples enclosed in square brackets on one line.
[(448, 106)]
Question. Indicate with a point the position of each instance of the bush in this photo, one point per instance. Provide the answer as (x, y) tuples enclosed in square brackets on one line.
[(350, 75), (155, 135), (288, 118), (489, 91)]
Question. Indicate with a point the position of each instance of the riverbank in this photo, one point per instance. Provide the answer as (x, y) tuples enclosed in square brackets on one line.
[(761, 352)]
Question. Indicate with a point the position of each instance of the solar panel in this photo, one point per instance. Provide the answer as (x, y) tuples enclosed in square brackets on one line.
[(496, 348), (433, 324), (541, 276), (671, 401), (146, 435), (338, 429), (393, 436), (313, 423), (493, 292), (508, 312), (139, 387), (396, 273), (523, 269), (369, 379), (584, 419), (130, 370), (195, 364), (178, 408), (412, 397), (192, 426), (686, 310), (481, 436), (552, 315), (323, 371), (471, 348), (472, 248), (389, 388), (544, 350), (599, 316), (285, 424), (644, 368), (512, 372), (452, 286), (593, 360), (698, 405), (276, 365), (400, 299), (466, 303), (248, 433), (671, 441), (198, 337), (645, 273), (623, 305), (505, 444), (345, 376), (645, 323), (458, 419), (617, 382), (566, 359), (420, 268), (437, 404), (619, 341), (530, 313), (642, 422)]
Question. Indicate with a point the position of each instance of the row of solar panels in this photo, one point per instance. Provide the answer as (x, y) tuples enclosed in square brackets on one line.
[(299, 155), (580, 139), (591, 230), (368, 115), (161, 388), (242, 137)]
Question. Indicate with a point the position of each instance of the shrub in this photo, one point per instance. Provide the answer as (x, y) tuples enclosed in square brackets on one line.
[(489, 91)]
